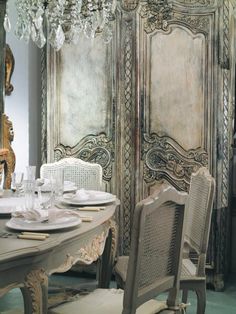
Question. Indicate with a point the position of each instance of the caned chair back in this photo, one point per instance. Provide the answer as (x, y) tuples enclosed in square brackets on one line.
[(84, 174), (156, 249), (199, 209)]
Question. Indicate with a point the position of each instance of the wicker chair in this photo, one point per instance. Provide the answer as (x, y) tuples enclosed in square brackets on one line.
[(198, 210), (154, 263), (84, 174)]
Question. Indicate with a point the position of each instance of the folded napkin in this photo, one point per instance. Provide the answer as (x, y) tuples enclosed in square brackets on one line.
[(53, 214), (91, 195)]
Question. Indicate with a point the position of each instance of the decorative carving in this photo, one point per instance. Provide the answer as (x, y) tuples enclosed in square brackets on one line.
[(157, 13), (164, 158), (93, 148), (114, 241), (200, 23), (129, 5), (87, 254), (197, 2), (127, 144), (93, 250), (34, 282), (8, 136), (9, 68)]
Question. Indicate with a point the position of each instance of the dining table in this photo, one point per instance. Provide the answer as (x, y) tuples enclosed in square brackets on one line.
[(28, 263)]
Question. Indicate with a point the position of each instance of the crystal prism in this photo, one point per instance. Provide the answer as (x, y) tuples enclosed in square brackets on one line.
[(7, 23)]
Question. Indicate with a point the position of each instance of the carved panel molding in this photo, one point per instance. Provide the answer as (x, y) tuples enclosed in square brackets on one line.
[(197, 3), (92, 148), (156, 13), (129, 5), (195, 22), (165, 159)]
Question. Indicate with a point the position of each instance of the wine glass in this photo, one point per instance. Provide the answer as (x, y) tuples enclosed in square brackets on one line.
[(17, 180)]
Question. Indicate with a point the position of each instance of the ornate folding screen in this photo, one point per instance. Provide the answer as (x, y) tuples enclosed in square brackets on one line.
[(152, 106)]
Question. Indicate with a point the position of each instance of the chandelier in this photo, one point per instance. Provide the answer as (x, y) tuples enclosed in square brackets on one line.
[(62, 21)]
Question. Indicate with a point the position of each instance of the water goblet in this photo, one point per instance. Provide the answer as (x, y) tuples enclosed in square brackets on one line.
[(30, 172), (46, 199), (17, 180), (29, 190)]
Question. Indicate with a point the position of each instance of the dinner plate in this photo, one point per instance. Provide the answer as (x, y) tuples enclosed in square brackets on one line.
[(29, 225), (93, 198)]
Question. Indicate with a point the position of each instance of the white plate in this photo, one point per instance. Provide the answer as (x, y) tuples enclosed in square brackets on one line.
[(26, 225), (94, 198)]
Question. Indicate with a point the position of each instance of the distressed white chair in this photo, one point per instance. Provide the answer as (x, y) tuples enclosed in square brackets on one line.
[(154, 263), (84, 174), (199, 212)]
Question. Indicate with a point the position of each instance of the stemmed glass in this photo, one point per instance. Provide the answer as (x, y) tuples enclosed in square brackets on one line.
[(17, 180)]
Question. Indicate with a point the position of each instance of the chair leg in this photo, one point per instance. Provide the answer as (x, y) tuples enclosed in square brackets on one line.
[(201, 300), (185, 296)]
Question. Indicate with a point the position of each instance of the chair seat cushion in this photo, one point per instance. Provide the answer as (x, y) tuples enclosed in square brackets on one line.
[(121, 267), (105, 301)]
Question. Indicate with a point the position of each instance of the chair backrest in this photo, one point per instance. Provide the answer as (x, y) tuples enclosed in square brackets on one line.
[(156, 249), (84, 174), (199, 212)]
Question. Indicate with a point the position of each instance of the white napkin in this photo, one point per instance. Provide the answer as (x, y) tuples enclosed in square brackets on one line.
[(53, 214), (82, 195), (33, 215)]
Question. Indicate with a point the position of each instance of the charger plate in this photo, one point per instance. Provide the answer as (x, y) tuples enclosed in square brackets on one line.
[(93, 198), (29, 225)]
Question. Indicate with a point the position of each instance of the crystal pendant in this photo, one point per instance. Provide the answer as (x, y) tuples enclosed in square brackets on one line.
[(40, 39), (33, 33), (7, 23), (56, 38), (38, 22)]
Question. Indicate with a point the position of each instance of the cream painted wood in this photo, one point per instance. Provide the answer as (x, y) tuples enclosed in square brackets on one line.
[(28, 263)]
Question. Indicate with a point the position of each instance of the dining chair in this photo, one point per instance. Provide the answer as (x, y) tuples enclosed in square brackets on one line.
[(84, 174), (199, 212), (154, 263)]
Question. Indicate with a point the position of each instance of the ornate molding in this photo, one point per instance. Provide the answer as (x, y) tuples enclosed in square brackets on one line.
[(195, 22), (91, 252), (129, 5), (197, 3), (93, 148), (127, 144), (156, 13), (88, 253), (34, 282), (164, 158)]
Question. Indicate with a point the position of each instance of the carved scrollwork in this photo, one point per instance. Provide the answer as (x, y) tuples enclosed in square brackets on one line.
[(34, 281), (164, 158), (197, 2), (129, 5), (93, 250), (93, 148), (201, 23), (156, 13)]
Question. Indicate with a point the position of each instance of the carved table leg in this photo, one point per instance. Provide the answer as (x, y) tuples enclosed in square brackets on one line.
[(35, 292), (108, 257)]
